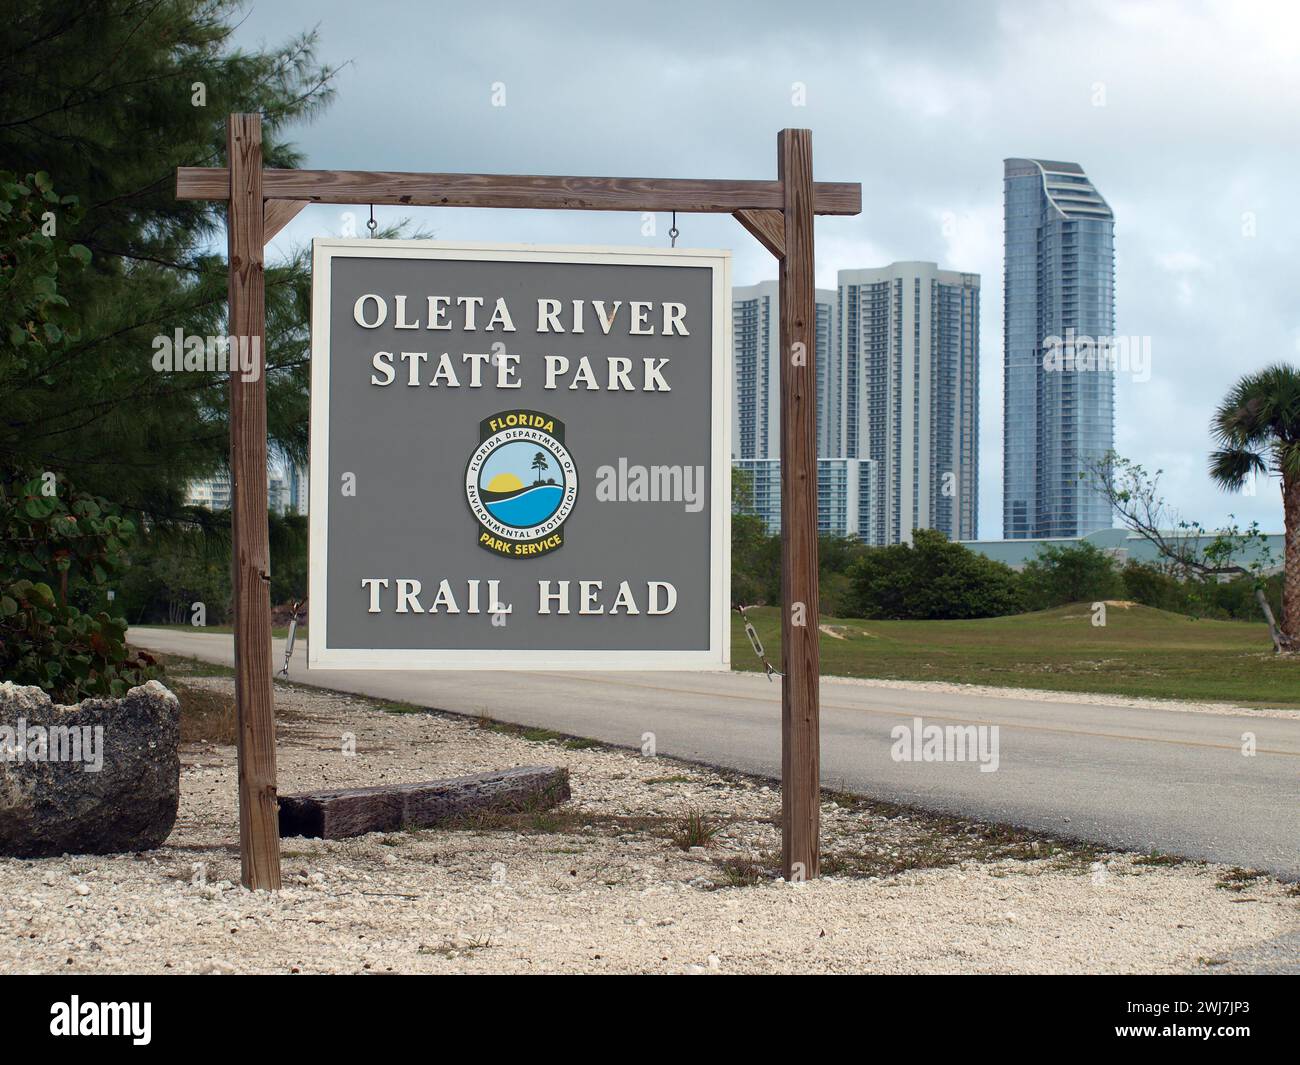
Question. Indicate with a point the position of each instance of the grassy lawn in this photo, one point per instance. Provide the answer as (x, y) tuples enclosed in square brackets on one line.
[(1140, 651)]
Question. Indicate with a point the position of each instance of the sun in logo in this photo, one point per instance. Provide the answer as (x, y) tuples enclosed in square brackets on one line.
[(521, 483)]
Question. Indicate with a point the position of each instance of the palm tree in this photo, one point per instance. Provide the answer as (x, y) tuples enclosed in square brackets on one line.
[(1257, 428)]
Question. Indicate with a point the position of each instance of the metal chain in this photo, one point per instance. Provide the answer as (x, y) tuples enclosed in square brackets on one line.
[(757, 645), (674, 232)]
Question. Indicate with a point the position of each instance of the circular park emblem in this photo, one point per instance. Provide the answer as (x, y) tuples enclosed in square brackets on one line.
[(521, 483)]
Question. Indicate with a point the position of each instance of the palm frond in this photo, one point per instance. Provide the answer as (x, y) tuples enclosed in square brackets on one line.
[(1231, 466)]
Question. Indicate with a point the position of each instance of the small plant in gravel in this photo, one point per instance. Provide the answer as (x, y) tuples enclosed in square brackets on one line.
[(1156, 858), (1238, 879), (694, 830), (403, 708), (538, 735), (742, 871)]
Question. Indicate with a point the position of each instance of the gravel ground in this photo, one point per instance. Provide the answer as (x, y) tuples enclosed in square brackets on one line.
[(600, 885)]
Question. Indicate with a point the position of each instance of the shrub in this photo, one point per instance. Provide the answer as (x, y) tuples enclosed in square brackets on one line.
[(1076, 573), (53, 537), (932, 579)]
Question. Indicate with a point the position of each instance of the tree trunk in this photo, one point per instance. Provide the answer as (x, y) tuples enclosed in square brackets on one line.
[(1291, 564), (1273, 634)]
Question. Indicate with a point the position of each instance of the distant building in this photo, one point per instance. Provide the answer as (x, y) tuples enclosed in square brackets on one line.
[(909, 335), (277, 494), (846, 494), (210, 492), (1122, 545), (296, 477), (1059, 283), (213, 493), (756, 395)]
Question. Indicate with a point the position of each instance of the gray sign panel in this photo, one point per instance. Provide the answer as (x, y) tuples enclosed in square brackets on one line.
[(519, 457)]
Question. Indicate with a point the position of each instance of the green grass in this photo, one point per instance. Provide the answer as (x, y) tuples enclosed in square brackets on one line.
[(1140, 652), (180, 666)]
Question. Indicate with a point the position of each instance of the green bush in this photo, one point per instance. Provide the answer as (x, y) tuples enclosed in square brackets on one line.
[(755, 562), (1153, 587), (931, 579), (53, 537), (171, 572), (173, 568), (1078, 573), (835, 557)]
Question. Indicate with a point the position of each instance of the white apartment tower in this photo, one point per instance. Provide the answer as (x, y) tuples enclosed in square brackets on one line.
[(909, 399), (756, 395)]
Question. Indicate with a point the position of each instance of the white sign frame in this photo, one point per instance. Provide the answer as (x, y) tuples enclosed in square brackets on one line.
[(718, 654)]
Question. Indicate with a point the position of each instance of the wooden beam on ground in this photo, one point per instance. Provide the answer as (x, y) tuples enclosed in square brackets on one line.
[(518, 191), (259, 843), (800, 712), (767, 227), (278, 214), (344, 812)]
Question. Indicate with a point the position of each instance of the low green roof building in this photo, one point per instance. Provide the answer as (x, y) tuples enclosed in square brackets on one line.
[(1120, 544)]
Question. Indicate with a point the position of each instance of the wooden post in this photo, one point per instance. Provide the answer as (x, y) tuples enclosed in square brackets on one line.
[(259, 833), (800, 728)]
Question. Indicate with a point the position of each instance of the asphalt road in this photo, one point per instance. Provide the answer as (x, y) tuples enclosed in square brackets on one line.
[(1124, 776)]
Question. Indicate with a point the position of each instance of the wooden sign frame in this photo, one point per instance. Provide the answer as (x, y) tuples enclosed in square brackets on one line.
[(779, 214)]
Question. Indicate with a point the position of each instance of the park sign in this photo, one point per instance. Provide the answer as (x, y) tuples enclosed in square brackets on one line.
[(519, 457), (416, 515)]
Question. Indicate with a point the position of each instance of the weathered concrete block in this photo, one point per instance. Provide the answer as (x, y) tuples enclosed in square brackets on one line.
[(100, 777)]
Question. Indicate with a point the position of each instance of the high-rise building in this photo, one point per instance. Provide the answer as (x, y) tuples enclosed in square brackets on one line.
[(756, 395), (1058, 413), (214, 493), (277, 493), (297, 478), (846, 491), (909, 337)]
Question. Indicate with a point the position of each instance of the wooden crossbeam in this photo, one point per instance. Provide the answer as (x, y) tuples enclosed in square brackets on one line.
[(687, 195)]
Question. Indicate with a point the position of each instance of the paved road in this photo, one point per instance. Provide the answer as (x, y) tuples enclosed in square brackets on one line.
[(1135, 778)]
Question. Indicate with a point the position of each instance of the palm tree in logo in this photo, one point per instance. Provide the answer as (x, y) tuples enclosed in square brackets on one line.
[(539, 464)]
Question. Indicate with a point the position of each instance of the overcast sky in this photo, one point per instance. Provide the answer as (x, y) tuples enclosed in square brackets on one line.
[(1185, 115)]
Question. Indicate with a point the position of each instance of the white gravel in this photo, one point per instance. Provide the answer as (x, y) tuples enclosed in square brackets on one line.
[(596, 894)]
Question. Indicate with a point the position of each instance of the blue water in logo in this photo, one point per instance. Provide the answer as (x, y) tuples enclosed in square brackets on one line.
[(530, 507)]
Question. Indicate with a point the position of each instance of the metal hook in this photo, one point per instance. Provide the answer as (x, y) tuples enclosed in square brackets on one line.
[(372, 225), (674, 232)]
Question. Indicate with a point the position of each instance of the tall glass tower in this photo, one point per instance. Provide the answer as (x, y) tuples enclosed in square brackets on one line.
[(1059, 292)]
